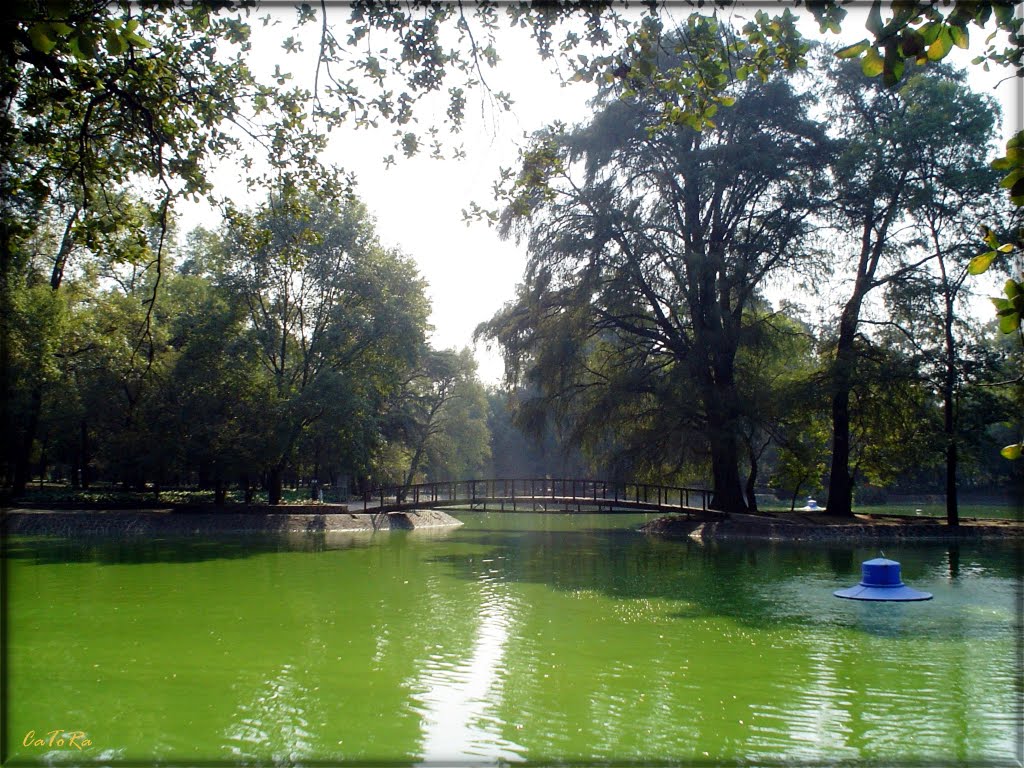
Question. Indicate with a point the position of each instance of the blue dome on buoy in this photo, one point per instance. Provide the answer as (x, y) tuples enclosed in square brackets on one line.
[(880, 580)]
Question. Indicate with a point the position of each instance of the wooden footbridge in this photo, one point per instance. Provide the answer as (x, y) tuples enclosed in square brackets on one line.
[(538, 495)]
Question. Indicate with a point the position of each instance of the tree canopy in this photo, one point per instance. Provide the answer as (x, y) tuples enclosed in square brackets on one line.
[(651, 244), (653, 228), (648, 250)]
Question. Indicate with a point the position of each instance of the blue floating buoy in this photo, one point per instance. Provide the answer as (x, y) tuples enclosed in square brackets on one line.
[(880, 580)]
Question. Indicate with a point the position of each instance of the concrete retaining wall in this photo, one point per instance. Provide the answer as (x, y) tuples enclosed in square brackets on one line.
[(191, 523), (707, 531)]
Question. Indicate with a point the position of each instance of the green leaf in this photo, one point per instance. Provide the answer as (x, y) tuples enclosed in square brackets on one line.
[(39, 35), (930, 32), (1004, 13), (874, 21), (1011, 178), (943, 45), (1012, 289), (1017, 191), (1010, 322), (83, 46), (981, 263), (959, 36), (116, 45), (1012, 452), (1014, 157), (138, 42), (893, 66), (853, 51), (872, 64)]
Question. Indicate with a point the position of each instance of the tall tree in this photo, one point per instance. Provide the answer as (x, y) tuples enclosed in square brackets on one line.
[(442, 414), (97, 98), (662, 237), (338, 319), (886, 182), (214, 398), (104, 265), (930, 308)]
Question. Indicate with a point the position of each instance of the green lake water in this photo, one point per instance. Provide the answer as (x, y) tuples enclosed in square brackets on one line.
[(515, 638)]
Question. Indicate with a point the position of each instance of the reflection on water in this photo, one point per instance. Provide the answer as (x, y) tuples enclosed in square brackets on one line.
[(535, 638), (274, 715), (458, 694)]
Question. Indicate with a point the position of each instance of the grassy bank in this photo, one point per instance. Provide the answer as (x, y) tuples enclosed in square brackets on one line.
[(989, 510)]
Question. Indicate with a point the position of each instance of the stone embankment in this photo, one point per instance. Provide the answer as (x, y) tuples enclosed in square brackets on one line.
[(174, 522), (814, 528)]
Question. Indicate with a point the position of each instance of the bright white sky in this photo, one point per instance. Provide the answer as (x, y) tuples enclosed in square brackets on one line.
[(418, 202)]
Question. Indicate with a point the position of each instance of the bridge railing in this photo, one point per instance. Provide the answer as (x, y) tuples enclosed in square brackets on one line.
[(558, 490)]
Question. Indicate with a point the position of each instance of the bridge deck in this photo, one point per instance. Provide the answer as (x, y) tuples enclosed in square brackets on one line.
[(540, 494), (535, 504)]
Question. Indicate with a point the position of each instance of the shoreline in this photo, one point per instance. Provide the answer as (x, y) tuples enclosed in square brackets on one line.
[(821, 528), (192, 522)]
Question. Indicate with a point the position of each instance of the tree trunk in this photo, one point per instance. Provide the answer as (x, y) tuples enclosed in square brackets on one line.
[(274, 483), (247, 489), (752, 481), (414, 464), (42, 465), (949, 412), (61, 261), (840, 484), (721, 407), (22, 460), (796, 493), (84, 456), (727, 487)]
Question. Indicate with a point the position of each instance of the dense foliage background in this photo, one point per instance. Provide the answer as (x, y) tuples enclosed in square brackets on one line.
[(660, 332)]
